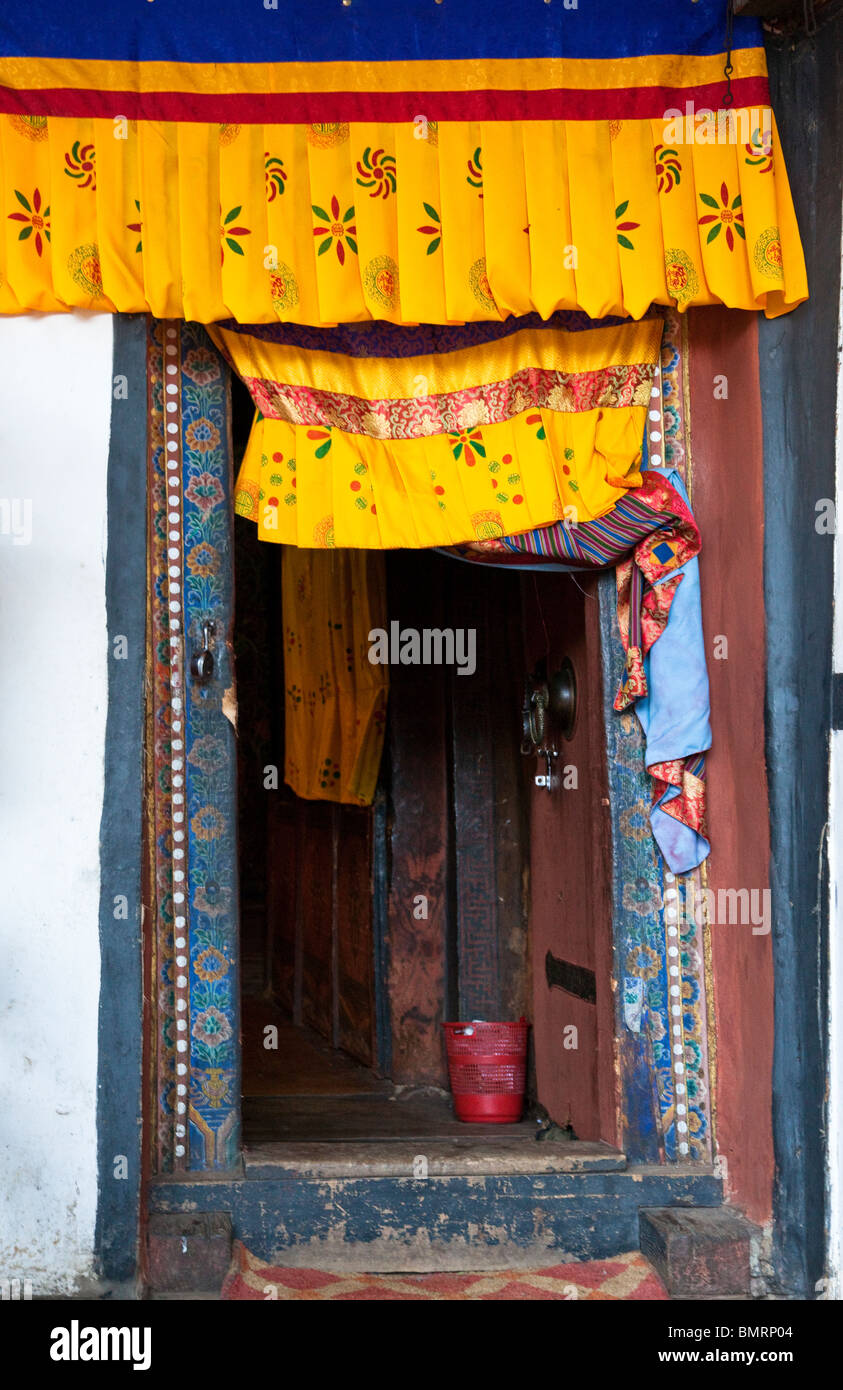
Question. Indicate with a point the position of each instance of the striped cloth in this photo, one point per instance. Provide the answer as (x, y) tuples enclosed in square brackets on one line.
[(651, 538)]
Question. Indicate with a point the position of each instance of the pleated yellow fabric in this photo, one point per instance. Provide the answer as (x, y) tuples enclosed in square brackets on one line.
[(488, 440), (334, 697), (338, 223)]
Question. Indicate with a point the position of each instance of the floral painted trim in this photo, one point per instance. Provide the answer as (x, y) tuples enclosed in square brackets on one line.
[(421, 417)]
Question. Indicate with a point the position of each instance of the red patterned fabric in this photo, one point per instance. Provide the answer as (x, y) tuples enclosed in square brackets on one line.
[(626, 1276)]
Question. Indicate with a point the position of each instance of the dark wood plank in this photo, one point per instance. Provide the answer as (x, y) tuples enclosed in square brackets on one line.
[(417, 981), (355, 947), (316, 916), (282, 873), (473, 793)]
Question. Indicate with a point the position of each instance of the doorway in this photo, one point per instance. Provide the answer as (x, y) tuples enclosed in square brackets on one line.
[(364, 928)]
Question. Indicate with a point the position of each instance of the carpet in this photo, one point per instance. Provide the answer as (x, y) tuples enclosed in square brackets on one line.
[(626, 1276)]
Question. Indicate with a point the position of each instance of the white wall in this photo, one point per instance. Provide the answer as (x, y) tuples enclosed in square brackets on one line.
[(55, 398)]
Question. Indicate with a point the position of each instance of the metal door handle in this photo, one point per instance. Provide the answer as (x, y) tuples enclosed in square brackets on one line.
[(202, 662)]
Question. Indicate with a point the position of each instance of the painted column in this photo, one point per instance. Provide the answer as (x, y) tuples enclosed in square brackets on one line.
[(197, 1042)]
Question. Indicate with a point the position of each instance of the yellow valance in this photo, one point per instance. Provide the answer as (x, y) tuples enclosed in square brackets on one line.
[(435, 222), (454, 443)]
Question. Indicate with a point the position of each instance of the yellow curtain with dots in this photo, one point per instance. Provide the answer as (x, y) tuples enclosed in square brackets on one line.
[(458, 441)]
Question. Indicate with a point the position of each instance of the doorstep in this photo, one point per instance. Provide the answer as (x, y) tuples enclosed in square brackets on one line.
[(418, 1158), (463, 1221)]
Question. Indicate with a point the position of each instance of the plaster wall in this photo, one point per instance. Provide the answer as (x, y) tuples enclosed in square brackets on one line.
[(55, 402)]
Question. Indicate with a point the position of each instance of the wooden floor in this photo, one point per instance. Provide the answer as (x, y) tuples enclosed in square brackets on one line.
[(301, 1065), (373, 1119), (304, 1091), (310, 1111)]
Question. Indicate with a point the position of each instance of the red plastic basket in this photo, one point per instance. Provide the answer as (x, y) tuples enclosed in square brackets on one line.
[(487, 1063)]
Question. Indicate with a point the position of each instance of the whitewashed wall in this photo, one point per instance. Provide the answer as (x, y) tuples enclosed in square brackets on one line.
[(55, 399)]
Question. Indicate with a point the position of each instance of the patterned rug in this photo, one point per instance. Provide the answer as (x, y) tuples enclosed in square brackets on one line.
[(627, 1276)]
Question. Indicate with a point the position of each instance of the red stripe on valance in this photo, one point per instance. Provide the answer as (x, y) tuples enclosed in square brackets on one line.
[(288, 108)]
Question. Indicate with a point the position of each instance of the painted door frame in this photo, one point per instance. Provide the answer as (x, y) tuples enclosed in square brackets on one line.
[(121, 1013)]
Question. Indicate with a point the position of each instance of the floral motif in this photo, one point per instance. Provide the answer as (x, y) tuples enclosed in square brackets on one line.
[(668, 167), (434, 232), (339, 232), (622, 227), (381, 280), (682, 280), (228, 233), (726, 216), (478, 279), (211, 964), (767, 254), (228, 133), (201, 366), (207, 823), (469, 440), (275, 176), (213, 900), (377, 171), (541, 432), (759, 151), (36, 219), (635, 821), (324, 447), (203, 560), (202, 435), (81, 165), (211, 1027), (205, 492), (474, 177), (136, 227), (643, 961), (615, 128), (641, 897), (32, 127), (326, 137), (283, 287), (83, 263), (207, 753)]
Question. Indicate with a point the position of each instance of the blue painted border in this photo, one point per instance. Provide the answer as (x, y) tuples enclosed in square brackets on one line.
[(121, 830)]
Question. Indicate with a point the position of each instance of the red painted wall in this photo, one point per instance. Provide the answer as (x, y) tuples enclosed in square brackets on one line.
[(727, 496)]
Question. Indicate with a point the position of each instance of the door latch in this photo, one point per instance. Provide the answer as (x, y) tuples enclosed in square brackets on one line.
[(202, 662)]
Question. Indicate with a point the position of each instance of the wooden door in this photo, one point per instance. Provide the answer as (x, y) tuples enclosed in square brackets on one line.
[(570, 869)]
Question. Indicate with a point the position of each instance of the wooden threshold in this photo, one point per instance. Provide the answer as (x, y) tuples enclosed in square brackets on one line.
[(456, 1157)]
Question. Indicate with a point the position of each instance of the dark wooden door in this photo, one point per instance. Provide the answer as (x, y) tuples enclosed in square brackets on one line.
[(570, 870), (320, 920)]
